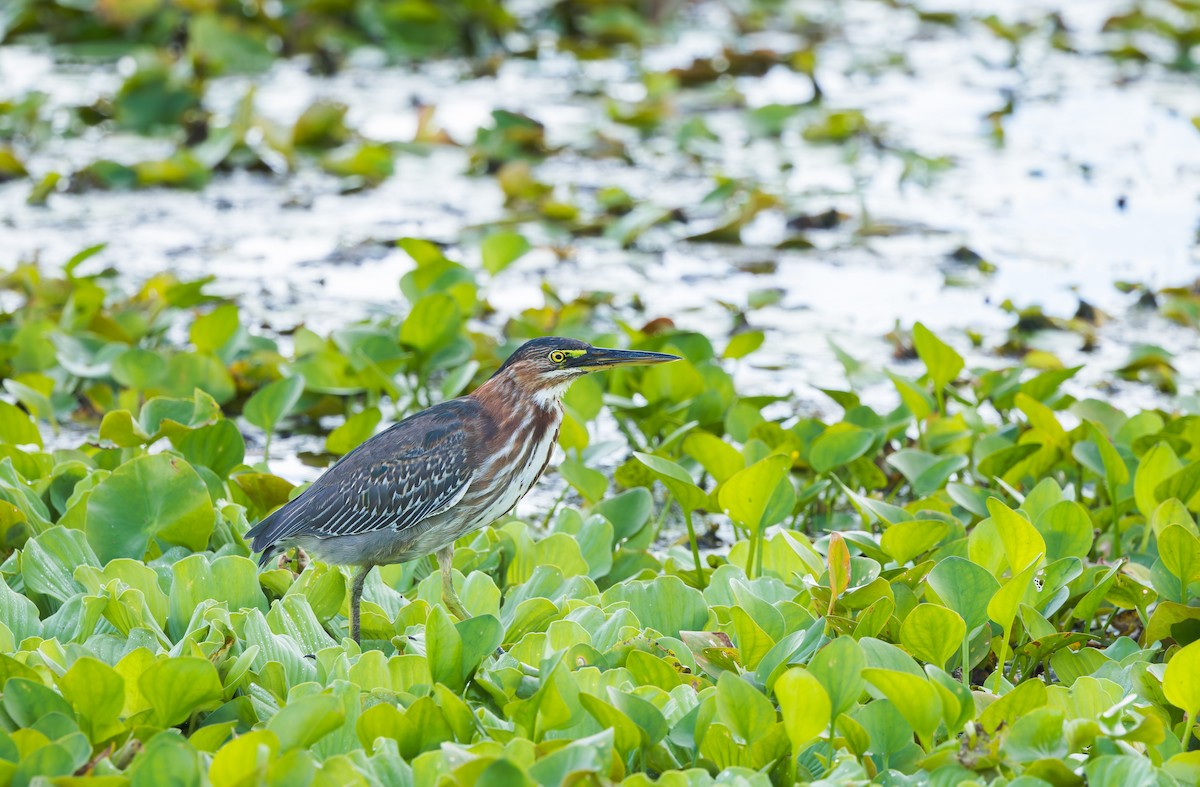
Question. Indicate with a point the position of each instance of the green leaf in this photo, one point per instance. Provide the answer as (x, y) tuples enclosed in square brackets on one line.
[(839, 445), (150, 497), (964, 587), (1156, 466), (356, 429), (211, 331), (717, 457), (941, 361), (1067, 531), (804, 705), (742, 708), (915, 697), (838, 667), (1183, 485), (664, 604), (433, 322), (933, 633), (1037, 735), (905, 541), (16, 427), (746, 496), (1179, 550), (166, 759), (1115, 471), (677, 481), (501, 249), (97, 692), (178, 687), (589, 482), (271, 404), (1023, 544), (926, 472), (305, 720)]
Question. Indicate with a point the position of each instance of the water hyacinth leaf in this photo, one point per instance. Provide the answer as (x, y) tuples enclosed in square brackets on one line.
[(211, 331), (1003, 607), (18, 613), (1115, 471), (1184, 486), (355, 430), (718, 458), (742, 708), (501, 249), (627, 736), (1038, 735), (747, 495), (905, 541), (677, 480), (271, 404), (915, 697), (17, 427), (432, 323), (664, 604), (1022, 542), (178, 687), (838, 563), (1066, 530), (915, 398), (1174, 621), (839, 445), (244, 759), (230, 579), (838, 667), (218, 446), (933, 633), (742, 344), (589, 482), (150, 497), (964, 587), (1156, 466), (97, 692), (1179, 550), (804, 705), (644, 714), (926, 472), (941, 361), (628, 511), (305, 720), (167, 759)]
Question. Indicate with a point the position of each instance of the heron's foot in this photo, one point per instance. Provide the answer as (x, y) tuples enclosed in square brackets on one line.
[(301, 560)]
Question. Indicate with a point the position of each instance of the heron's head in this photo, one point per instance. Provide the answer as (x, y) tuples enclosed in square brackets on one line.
[(544, 368)]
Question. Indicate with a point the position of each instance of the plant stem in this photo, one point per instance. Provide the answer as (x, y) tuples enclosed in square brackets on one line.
[(1116, 532), (966, 658), (687, 518), (761, 540)]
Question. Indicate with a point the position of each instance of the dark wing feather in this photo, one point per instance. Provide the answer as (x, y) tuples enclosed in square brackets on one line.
[(414, 470)]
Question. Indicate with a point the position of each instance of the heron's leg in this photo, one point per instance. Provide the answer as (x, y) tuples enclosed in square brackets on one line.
[(356, 589), (445, 559)]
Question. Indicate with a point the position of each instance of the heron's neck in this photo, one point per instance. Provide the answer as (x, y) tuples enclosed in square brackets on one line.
[(505, 394)]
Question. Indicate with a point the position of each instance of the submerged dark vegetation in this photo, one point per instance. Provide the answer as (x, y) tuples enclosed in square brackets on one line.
[(995, 578)]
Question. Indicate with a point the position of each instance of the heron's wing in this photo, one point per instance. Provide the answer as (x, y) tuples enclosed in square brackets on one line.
[(417, 469)]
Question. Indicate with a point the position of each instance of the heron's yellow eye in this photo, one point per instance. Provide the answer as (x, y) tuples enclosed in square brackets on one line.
[(558, 356)]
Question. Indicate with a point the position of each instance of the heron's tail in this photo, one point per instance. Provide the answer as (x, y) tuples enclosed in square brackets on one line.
[(264, 536)]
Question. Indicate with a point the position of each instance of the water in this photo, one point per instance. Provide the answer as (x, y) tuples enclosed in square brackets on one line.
[(1097, 181)]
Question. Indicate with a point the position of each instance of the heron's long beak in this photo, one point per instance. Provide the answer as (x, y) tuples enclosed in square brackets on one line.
[(602, 358)]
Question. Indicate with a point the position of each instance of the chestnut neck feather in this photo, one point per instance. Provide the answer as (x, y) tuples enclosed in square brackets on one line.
[(510, 400)]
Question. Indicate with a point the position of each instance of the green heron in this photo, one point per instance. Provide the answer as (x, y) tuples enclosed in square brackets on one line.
[(415, 488)]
